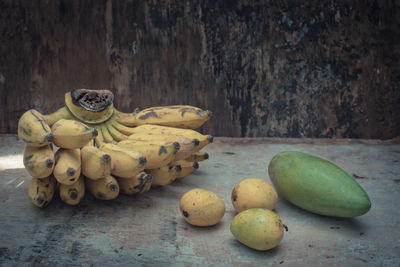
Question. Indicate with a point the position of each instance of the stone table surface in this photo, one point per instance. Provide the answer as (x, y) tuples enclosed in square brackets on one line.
[(148, 230)]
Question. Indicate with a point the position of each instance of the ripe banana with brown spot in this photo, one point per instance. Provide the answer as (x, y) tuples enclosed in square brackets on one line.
[(107, 137), (41, 190), (180, 116), (34, 130), (106, 188), (39, 161), (157, 154), (99, 139), (187, 146), (165, 130), (126, 163), (120, 127), (74, 193), (72, 134), (138, 184), (67, 167), (164, 175), (198, 156), (62, 113), (115, 134), (96, 164), (187, 167)]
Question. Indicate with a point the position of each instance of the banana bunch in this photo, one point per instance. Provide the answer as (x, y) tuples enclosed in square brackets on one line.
[(88, 145)]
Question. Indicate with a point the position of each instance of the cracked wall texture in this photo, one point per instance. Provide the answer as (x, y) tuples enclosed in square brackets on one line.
[(265, 68)]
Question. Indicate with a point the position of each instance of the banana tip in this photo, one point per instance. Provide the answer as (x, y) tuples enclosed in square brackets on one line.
[(106, 158), (177, 145), (195, 165), (149, 178), (95, 132), (196, 142), (50, 137), (49, 163), (210, 138), (70, 171), (113, 187), (178, 168), (206, 156), (142, 160), (73, 194)]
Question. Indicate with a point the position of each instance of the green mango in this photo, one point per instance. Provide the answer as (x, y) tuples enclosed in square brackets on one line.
[(317, 185)]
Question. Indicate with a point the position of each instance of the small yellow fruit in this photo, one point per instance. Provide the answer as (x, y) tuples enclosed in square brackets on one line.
[(253, 193), (201, 207), (259, 229)]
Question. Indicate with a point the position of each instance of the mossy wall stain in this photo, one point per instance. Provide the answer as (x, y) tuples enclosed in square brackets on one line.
[(265, 68)]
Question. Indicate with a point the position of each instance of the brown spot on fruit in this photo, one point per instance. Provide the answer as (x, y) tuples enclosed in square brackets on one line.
[(148, 115)]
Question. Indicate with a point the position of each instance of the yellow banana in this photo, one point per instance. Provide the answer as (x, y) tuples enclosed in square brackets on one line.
[(157, 155), (74, 193), (41, 190), (72, 134), (39, 161), (106, 134), (126, 163), (90, 106), (198, 156), (116, 135), (165, 130), (187, 167), (99, 139), (68, 165), (164, 175), (138, 184), (105, 188), (180, 116), (33, 129), (62, 113), (120, 127), (96, 164), (187, 146)]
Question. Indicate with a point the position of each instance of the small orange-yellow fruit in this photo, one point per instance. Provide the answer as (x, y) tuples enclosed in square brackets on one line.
[(253, 193), (201, 207)]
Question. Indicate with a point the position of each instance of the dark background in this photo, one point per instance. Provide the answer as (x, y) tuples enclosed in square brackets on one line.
[(265, 68)]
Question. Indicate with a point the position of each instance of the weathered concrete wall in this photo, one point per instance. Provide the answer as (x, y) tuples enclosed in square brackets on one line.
[(265, 68)]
